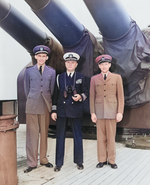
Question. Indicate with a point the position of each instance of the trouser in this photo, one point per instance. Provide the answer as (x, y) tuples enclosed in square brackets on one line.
[(106, 132), (36, 123), (60, 140)]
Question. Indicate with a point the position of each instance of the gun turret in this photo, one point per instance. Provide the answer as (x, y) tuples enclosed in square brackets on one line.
[(128, 46)]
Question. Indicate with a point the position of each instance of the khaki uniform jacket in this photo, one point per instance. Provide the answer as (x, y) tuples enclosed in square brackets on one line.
[(106, 96)]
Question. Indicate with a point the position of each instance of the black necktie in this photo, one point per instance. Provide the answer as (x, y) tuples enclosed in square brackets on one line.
[(104, 76), (70, 75), (40, 70)]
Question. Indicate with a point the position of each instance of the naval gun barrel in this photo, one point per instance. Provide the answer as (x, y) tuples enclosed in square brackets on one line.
[(58, 19), (20, 28), (110, 16)]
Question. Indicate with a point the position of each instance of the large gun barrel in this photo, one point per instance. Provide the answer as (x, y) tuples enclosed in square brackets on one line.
[(110, 16), (20, 28), (29, 35), (58, 20)]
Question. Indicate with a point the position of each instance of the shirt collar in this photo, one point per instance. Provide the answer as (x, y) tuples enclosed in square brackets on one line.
[(68, 73), (105, 73), (38, 66)]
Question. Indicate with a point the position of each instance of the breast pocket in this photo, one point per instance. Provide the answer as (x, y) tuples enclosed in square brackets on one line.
[(47, 81), (33, 82), (112, 87), (98, 88)]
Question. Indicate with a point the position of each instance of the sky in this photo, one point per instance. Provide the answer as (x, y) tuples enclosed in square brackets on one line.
[(13, 57)]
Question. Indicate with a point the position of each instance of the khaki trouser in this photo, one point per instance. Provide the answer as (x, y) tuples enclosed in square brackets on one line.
[(106, 132), (36, 123)]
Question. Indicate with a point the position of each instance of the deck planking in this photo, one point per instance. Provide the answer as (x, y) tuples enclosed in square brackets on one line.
[(133, 166)]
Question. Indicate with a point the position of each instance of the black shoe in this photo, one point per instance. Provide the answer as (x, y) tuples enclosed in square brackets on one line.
[(80, 166), (100, 165), (57, 168), (114, 166), (29, 169), (48, 165)]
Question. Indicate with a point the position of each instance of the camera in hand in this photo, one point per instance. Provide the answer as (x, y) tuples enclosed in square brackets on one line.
[(69, 90)]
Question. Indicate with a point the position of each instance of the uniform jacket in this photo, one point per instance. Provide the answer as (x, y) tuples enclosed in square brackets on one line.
[(39, 89), (67, 107), (106, 97)]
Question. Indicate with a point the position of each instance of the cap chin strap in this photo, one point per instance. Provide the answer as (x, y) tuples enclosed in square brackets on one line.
[(71, 59), (45, 52)]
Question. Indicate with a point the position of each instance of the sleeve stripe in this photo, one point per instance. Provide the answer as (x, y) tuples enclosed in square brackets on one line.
[(83, 96), (54, 107)]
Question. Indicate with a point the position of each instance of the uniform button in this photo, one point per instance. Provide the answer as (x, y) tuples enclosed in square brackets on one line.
[(72, 102), (41, 79), (41, 85), (41, 91), (64, 102)]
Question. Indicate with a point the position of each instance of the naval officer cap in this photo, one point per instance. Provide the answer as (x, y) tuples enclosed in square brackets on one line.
[(71, 56), (41, 49), (103, 58)]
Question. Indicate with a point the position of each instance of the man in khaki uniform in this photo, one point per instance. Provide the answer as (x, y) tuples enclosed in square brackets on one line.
[(106, 108)]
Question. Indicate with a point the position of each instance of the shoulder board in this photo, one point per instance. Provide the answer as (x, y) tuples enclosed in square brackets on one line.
[(28, 67)]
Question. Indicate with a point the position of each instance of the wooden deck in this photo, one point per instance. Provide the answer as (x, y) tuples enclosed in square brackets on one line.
[(133, 166)]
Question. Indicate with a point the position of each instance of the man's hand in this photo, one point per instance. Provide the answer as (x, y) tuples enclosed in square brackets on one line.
[(54, 116), (119, 117), (94, 117), (76, 97)]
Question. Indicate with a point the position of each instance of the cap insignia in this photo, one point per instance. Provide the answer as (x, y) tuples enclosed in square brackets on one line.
[(70, 55)]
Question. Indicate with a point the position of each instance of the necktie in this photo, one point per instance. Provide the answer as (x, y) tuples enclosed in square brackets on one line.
[(104, 76), (40, 70), (70, 75)]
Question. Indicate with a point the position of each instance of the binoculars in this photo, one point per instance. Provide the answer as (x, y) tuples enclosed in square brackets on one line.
[(69, 90)]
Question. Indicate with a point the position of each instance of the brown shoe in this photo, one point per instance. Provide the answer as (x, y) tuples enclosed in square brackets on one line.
[(100, 165), (114, 166)]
